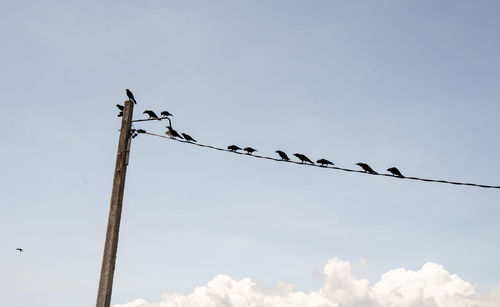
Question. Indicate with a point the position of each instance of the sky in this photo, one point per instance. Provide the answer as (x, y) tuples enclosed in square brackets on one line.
[(412, 84)]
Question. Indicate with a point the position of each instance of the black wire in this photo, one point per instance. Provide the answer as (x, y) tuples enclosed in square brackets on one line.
[(149, 119), (328, 167)]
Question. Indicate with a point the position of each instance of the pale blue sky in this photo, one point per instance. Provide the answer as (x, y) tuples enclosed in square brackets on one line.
[(413, 84)]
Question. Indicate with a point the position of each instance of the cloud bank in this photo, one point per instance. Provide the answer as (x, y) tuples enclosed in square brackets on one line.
[(431, 286)]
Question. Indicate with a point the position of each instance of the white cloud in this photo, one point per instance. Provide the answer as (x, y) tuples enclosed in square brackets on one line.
[(431, 286), (137, 303)]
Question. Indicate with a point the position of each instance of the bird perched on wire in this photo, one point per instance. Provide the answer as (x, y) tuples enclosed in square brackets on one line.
[(324, 162), (249, 150), (165, 114), (366, 168), (395, 172), (171, 131), (152, 115), (20, 249), (283, 155), (303, 158), (233, 148), (130, 96), (188, 138)]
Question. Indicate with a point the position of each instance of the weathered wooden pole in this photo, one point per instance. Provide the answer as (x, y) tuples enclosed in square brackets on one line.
[(115, 209)]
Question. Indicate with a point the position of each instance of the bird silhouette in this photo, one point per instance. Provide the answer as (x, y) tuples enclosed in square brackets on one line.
[(303, 158), (283, 155), (233, 148), (173, 133), (165, 114), (324, 162), (188, 138), (120, 107), (366, 168), (20, 249), (152, 115), (395, 172), (249, 150), (130, 96)]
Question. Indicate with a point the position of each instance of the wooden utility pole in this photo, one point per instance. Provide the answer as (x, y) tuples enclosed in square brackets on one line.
[(115, 209)]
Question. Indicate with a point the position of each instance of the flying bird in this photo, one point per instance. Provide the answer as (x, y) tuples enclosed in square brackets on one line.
[(366, 168), (303, 158), (233, 147), (249, 150), (324, 162), (130, 95), (395, 172), (152, 115), (165, 114), (188, 137), (20, 249), (172, 132)]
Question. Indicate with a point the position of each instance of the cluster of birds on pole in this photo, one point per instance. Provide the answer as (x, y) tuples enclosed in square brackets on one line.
[(152, 115), (249, 150)]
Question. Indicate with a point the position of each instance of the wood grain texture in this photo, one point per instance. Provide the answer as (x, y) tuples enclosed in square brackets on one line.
[(115, 210)]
